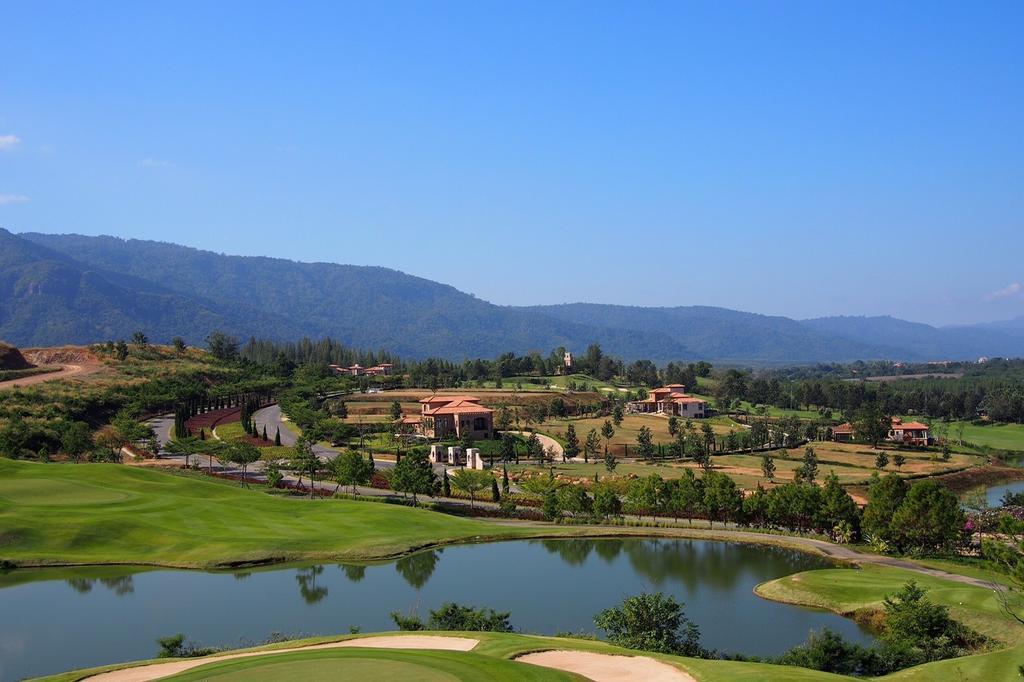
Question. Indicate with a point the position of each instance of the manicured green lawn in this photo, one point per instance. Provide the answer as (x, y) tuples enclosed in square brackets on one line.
[(234, 431), (110, 513), (998, 436), (367, 664), (491, 659), (846, 591)]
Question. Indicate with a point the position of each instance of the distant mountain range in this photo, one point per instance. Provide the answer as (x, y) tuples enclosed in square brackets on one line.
[(57, 289)]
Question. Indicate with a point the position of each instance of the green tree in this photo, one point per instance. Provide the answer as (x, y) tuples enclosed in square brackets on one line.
[(574, 499), (350, 468), (673, 426), (222, 346), (872, 425), (768, 467), (607, 432), (708, 435), (76, 440), (572, 444), (610, 462), (185, 447), (617, 415), (898, 461), (140, 340), (651, 622), (495, 493), (839, 513), (396, 410), (179, 345), (881, 460), (305, 462), (645, 443), (277, 437), (504, 480), (690, 493), (534, 449), (243, 454), (643, 496), (591, 445), (550, 506), (121, 350), (722, 499), (930, 518), (413, 475), (885, 495), (809, 465), (471, 482), (606, 502)]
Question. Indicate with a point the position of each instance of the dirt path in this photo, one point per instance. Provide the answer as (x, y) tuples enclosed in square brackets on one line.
[(608, 668), (64, 372), (155, 671)]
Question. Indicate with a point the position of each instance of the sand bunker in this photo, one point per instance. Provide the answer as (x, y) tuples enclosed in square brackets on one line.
[(145, 673), (608, 668)]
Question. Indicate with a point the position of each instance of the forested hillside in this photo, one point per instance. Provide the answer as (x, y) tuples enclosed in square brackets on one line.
[(75, 289)]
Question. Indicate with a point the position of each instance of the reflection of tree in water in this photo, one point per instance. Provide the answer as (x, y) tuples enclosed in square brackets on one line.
[(80, 585), (120, 586), (241, 575), (416, 569), (310, 591), (609, 550), (573, 552), (353, 572), (719, 565)]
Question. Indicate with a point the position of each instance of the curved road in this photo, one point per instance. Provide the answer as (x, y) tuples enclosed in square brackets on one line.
[(548, 443)]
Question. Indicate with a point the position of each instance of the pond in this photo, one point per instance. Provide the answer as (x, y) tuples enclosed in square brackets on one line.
[(994, 494), (59, 619)]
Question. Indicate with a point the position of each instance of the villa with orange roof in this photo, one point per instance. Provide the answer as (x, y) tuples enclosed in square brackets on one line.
[(672, 400), (909, 433), (454, 416)]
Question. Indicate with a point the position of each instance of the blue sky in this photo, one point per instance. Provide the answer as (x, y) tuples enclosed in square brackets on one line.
[(795, 158)]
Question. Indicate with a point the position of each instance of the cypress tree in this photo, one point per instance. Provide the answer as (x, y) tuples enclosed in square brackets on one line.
[(504, 480), (495, 496), (264, 432), (277, 437), (446, 486)]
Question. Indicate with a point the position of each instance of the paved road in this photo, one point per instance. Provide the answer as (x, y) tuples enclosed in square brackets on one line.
[(548, 443), (272, 418)]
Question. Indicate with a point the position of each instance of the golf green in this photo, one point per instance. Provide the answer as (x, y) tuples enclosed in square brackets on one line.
[(356, 664)]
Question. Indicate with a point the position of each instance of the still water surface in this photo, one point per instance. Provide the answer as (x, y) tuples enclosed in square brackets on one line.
[(58, 619)]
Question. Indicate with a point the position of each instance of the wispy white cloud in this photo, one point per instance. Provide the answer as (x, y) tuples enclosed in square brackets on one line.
[(12, 199), (155, 163), (1014, 290), (8, 142)]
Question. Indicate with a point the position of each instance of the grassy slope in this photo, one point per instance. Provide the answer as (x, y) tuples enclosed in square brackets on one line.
[(847, 591), (108, 513)]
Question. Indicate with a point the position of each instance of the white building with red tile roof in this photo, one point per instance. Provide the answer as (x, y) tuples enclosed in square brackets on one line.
[(671, 400)]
